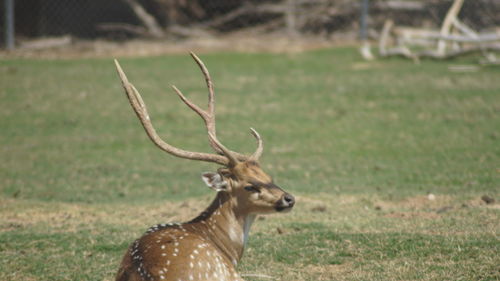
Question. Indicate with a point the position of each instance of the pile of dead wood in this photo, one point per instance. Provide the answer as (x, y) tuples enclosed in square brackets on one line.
[(453, 38), (164, 18)]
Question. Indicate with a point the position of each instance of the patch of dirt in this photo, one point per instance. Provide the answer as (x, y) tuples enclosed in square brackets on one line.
[(428, 207), (478, 202), (77, 48), (416, 207), (420, 202), (71, 217), (411, 215), (328, 272), (326, 199)]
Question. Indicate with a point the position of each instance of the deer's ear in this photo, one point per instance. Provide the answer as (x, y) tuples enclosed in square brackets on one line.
[(214, 181)]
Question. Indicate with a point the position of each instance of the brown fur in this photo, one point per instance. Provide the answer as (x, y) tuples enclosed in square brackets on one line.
[(209, 246)]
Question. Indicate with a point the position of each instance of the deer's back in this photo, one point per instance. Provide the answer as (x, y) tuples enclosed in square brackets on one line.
[(175, 253)]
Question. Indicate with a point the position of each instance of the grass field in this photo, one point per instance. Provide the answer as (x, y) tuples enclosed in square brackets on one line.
[(360, 144)]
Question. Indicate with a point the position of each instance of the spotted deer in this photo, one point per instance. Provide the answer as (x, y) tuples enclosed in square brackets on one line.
[(209, 246)]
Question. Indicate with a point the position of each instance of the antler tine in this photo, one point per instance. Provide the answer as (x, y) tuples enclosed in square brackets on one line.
[(260, 147), (208, 116), (139, 107), (209, 120), (203, 114), (228, 153), (208, 80)]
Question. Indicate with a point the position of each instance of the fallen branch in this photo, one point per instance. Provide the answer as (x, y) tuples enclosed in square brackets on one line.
[(384, 37), (246, 9), (454, 53), (47, 42), (451, 16), (154, 29), (490, 59), (463, 39), (181, 31), (401, 5), (129, 28), (243, 9), (480, 38)]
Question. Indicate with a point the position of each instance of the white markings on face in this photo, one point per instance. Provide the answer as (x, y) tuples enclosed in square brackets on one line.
[(255, 196)]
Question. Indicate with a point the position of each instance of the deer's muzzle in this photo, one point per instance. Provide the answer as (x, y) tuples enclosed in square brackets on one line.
[(285, 203)]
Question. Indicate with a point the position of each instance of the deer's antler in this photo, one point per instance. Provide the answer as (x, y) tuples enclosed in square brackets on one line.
[(224, 157), (209, 115)]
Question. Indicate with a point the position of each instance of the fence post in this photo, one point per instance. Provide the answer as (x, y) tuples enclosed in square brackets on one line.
[(9, 24), (290, 18), (363, 20), (363, 31)]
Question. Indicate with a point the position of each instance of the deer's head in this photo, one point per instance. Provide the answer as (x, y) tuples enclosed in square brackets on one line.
[(241, 178), (252, 190)]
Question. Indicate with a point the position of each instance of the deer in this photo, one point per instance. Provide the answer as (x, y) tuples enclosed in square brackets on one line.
[(210, 246)]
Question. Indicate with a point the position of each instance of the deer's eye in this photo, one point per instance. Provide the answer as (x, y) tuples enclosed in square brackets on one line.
[(252, 188)]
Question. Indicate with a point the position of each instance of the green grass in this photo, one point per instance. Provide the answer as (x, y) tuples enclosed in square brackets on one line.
[(79, 180)]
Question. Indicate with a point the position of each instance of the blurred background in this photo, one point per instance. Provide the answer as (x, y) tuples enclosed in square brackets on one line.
[(39, 24)]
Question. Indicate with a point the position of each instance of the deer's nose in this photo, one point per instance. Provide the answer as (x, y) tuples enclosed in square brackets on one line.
[(288, 200)]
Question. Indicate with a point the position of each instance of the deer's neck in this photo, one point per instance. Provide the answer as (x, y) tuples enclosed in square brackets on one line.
[(226, 225)]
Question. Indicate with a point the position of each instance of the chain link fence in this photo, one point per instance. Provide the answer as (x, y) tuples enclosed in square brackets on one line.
[(174, 19)]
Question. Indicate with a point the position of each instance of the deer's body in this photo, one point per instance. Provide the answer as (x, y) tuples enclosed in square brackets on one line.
[(201, 249), (210, 246)]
